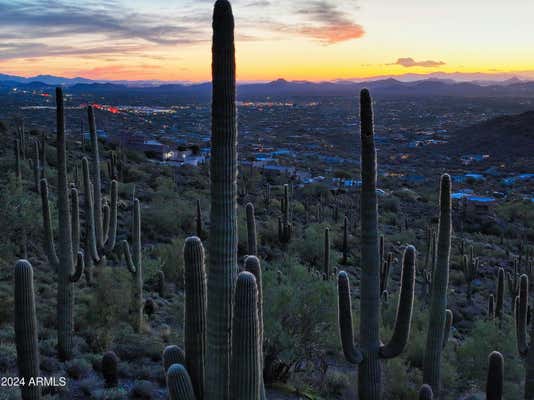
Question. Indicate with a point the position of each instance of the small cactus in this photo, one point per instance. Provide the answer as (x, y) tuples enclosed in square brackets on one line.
[(179, 383), (491, 307), (110, 369), (26, 329), (494, 383), (470, 270), (425, 393), (172, 355)]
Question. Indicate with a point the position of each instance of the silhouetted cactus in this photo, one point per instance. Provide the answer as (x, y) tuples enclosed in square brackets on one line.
[(67, 269), (500, 293), (179, 383), (195, 312), (370, 351), (200, 230), (384, 272), (36, 166), (223, 222), (172, 355), (438, 305), (110, 369), (26, 329), (524, 348), (513, 282), (494, 382), (246, 349), (326, 254), (251, 230), (285, 227), (134, 264), (491, 307), (425, 393), (470, 270), (101, 219), (18, 168)]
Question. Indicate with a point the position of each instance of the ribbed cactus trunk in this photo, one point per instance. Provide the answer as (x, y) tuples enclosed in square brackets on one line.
[(246, 349), (438, 304), (134, 264), (369, 372), (494, 382), (26, 329), (326, 254), (223, 222), (251, 230), (179, 383), (195, 313), (500, 293)]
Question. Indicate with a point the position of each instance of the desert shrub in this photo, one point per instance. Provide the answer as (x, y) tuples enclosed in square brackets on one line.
[(309, 248), (78, 368), (485, 337), (299, 319)]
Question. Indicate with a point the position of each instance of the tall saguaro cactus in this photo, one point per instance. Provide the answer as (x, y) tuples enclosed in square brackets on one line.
[(26, 329), (195, 312), (135, 265), (67, 269), (438, 303), (370, 351), (285, 228), (523, 346), (223, 222)]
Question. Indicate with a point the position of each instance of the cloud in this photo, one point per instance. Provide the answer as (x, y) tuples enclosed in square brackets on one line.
[(410, 62)]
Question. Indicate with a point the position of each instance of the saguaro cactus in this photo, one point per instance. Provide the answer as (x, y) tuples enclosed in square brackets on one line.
[(500, 293), (251, 230), (179, 383), (195, 312), (135, 265), (200, 231), (67, 270), (223, 222), (470, 269), (326, 254), (18, 169), (494, 383), (285, 227), (400, 334), (101, 219), (370, 349), (438, 304), (26, 329), (246, 349), (345, 258), (425, 393), (525, 348), (110, 368), (172, 355)]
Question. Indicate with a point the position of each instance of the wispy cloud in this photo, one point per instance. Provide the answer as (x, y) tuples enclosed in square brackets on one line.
[(410, 62)]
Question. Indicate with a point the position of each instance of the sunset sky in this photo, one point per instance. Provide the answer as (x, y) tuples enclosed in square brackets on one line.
[(297, 39)]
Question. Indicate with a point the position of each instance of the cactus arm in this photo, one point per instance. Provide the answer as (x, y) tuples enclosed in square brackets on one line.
[(128, 257), (195, 312), (246, 349), (79, 267), (179, 383), (75, 220), (521, 316), (50, 246), (352, 353), (403, 319), (105, 222), (448, 326), (112, 230), (494, 382)]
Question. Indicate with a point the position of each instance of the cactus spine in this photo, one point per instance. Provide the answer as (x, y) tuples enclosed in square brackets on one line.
[(246, 348), (370, 349), (179, 383), (223, 227), (195, 313), (438, 304), (251, 230), (134, 264), (67, 269), (494, 383), (26, 329)]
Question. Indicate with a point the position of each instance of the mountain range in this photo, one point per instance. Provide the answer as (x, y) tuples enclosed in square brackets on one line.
[(281, 87)]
